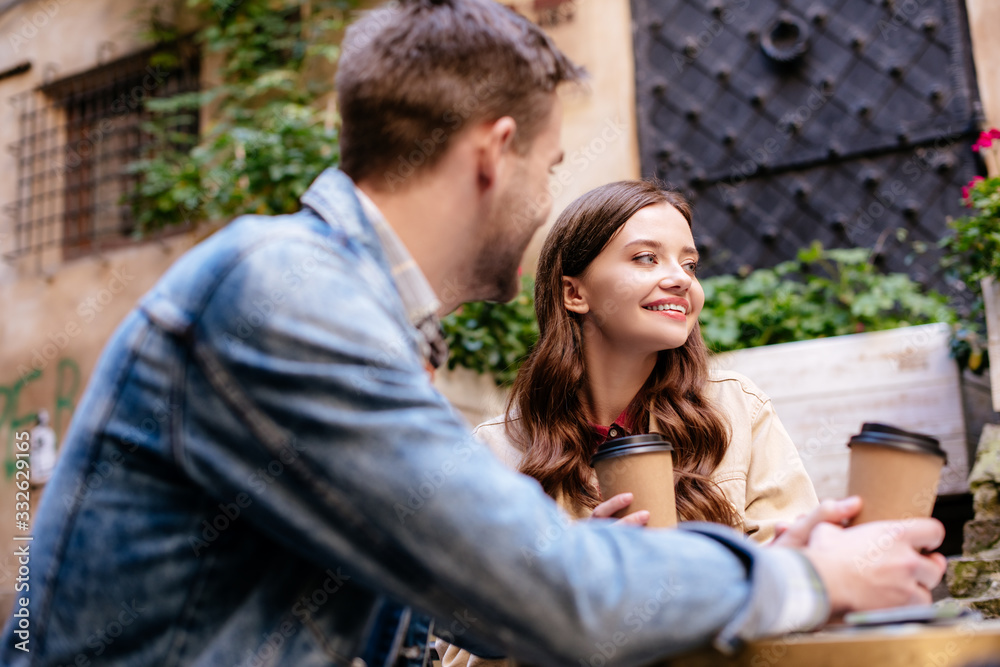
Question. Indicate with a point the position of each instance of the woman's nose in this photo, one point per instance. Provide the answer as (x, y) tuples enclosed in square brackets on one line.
[(675, 277)]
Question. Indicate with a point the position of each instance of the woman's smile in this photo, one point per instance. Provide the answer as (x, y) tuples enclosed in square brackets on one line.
[(674, 308)]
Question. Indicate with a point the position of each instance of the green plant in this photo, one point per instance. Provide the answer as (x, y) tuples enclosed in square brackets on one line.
[(971, 252), (821, 293), (972, 249), (272, 130), (493, 338)]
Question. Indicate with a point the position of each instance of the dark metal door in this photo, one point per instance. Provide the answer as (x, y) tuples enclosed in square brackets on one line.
[(837, 120)]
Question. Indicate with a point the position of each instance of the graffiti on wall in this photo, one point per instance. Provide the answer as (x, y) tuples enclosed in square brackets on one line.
[(15, 417)]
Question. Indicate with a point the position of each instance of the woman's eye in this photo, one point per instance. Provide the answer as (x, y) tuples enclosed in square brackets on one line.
[(645, 259), (692, 267)]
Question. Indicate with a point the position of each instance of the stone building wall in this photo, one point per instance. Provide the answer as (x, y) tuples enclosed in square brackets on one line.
[(56, 321)]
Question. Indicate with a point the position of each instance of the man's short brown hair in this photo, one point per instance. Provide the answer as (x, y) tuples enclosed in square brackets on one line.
[(414, 73)]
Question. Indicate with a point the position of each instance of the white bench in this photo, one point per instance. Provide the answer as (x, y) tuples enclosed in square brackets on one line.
[(823, 390)]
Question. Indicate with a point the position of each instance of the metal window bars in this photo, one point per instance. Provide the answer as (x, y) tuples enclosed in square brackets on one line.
[(77, 137)]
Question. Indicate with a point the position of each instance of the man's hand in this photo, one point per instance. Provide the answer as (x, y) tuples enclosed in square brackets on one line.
[(796, 534), (616, 503), (878, 564)]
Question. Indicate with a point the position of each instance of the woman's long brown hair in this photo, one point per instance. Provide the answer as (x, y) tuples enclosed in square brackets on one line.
[(547, 413)]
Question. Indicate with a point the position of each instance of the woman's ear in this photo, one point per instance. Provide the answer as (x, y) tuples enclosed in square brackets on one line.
[(573, 298)]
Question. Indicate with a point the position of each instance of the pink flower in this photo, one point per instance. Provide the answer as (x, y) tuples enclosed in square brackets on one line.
[(967, 188), (985, 139)]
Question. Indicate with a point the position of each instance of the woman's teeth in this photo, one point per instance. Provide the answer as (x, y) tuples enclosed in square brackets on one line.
[(670, 306)]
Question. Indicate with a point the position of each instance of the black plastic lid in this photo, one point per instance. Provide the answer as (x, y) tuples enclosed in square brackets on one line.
[(631, 444), (890, 436)]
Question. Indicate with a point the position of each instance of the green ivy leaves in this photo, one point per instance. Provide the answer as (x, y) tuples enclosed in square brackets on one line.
[(493, 338), (272, 130), (821, 293)]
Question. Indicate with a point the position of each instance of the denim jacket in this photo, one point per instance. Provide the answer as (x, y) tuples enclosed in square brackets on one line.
[(260, 457)]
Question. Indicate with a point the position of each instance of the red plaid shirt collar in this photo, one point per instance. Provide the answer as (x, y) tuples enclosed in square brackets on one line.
[(622, 425)]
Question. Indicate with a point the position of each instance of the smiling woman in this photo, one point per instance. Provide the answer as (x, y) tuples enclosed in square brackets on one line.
[(637, 257), (620, 352), (617, 299)]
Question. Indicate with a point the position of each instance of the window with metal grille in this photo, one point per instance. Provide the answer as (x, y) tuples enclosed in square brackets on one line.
[(78, 136)]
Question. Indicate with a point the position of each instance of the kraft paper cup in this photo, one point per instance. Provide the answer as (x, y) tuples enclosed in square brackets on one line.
[(642, 465), (895, 472)]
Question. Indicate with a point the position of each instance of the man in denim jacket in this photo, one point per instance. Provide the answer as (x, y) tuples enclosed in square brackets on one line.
[(260, 458)]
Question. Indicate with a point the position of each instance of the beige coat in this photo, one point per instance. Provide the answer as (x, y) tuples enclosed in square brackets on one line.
[(761, 473)]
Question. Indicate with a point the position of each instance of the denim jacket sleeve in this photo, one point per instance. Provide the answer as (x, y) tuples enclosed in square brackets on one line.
[(351, 457)]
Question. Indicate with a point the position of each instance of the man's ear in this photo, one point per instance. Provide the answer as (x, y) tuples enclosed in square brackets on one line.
[(573, 298), (497, 142)]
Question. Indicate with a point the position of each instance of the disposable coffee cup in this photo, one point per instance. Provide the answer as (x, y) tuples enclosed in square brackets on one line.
[(895, 472), (642, 465)]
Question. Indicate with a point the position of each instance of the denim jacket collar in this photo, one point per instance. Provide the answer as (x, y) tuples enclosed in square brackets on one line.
[(333, 198)]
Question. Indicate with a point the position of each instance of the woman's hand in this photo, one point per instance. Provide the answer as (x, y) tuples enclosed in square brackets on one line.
[(796, 534), (617, 503)]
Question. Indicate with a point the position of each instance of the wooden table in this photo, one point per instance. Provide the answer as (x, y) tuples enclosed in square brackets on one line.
[(905, 645)]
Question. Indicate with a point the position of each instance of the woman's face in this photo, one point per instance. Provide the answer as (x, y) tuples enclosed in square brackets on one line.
[(640, 292)]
